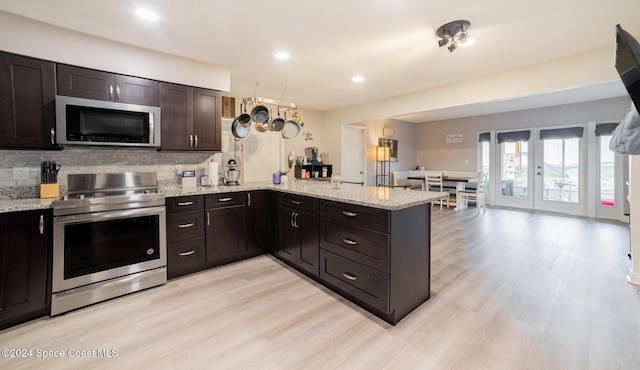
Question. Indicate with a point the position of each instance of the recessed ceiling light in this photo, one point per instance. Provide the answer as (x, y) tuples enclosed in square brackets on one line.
[(357, 78), (147, 14), (282, 55)]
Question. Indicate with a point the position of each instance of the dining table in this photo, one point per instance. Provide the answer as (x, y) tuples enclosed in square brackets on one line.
[(460, 180)]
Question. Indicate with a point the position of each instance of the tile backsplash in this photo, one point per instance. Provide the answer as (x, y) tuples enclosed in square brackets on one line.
[(98, 160)]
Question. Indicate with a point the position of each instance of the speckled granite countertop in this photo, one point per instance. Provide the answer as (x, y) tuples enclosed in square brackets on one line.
[(382, 198)]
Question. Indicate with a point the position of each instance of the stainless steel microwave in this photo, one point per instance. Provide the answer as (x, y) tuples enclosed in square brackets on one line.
[(95, 122)]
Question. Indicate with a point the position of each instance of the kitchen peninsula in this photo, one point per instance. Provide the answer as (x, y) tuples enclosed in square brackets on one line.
[(369, 244)]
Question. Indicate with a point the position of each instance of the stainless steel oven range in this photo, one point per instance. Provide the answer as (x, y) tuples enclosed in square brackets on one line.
[(108, 238)]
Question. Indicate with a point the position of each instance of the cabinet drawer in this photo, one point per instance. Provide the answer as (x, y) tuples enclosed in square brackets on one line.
[(224, 200), (370, 218), (185, 225), (298, 203), (368, 247), (185, 204), (185, 256), (364, 283)]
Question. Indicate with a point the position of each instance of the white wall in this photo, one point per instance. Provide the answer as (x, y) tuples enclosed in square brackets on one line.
[(41, 40)]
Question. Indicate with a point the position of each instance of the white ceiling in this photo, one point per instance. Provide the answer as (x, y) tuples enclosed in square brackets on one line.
[(392, 43)]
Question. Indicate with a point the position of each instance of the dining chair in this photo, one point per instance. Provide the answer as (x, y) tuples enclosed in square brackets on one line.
[(476, 195), (434, 181)]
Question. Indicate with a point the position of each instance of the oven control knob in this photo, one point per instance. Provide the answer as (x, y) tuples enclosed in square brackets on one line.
[(147, 192), (66, 197), (81, 196), (150, 251)]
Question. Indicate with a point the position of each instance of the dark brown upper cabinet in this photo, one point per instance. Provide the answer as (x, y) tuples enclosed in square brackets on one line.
[(92, 84), (191, 118), (27, 109)]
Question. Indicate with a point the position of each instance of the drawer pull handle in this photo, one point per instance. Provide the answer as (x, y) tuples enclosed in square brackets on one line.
[(349, 241), (349, 276), (184, 226), (224, 199), (185, 203), (187, 253), (297, 203), (349, 214)]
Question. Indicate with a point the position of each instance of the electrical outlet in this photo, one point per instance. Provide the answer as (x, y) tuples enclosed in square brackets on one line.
[(21, 173)]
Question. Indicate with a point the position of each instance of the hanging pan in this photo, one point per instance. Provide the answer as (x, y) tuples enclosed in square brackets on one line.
[(244, 119), (238, 130), (277, 124), (260, 114), (291, 129)]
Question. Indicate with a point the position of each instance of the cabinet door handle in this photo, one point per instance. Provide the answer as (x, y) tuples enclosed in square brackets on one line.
[(295, 220), (349, 214), (41, 224), (297, 203), (53, 135), (248, 199), (187, 253), (349, 276), (291, 221), (111, 92), (196, 140), (117, 92), (190, 141), (208, 218), (184, 226), (185, 203), (225, 199), (349, 241)]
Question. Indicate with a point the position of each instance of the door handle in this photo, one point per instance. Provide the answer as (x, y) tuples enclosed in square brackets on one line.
[(224, 199), (184, 226), (190, 141), (117, 92), (248, 199), (111, 92), (185, 203), (349, 214), (41, 224), (53, 135), (297, 203), (196, 140), (291, 220), (208, 218), (187, 253)]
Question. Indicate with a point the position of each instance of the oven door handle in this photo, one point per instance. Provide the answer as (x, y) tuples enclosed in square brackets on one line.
[(110, 215)]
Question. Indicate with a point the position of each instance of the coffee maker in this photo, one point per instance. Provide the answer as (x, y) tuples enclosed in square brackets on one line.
[(312, 154)]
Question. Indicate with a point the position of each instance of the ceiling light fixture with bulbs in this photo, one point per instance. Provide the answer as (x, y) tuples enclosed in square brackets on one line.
[(454, 34)]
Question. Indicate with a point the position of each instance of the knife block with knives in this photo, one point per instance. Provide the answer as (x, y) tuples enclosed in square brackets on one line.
[(49, 187)]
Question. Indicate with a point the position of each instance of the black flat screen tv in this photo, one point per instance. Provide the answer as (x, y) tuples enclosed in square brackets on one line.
[(627, 63)]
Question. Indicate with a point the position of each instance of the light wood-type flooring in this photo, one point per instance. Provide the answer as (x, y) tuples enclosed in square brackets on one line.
[(510, 290)]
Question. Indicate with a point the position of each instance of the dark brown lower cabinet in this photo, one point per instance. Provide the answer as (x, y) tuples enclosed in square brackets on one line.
[(298, 232), (25, 288), (225, 234), (376, 258)]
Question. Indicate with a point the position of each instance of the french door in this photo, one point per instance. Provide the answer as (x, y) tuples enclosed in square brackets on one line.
[(542, 169), (514, 165), (560, 170)]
